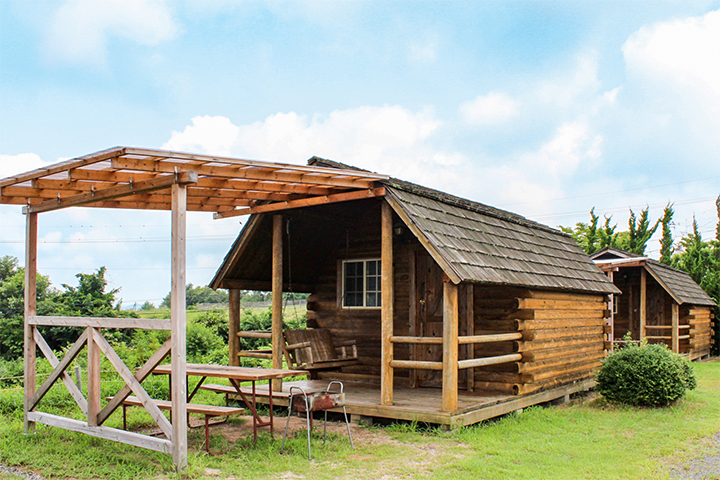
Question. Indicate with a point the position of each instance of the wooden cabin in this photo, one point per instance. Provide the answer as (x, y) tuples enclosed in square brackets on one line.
[(658, 303), (460, 311)]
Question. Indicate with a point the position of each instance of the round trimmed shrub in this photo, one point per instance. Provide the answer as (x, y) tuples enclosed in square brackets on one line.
[(645, 375)]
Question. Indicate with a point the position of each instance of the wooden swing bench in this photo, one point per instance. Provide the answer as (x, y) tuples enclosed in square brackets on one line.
[(307, 349)]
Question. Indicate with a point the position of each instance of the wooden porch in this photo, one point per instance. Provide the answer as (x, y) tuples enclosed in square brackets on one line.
[(426, 404)]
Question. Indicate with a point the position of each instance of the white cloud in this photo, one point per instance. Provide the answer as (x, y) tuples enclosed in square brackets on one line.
[(14, 164), (493, 108), (387, 139), (214, 135), (680, 57), (79, 30), (536, 177)]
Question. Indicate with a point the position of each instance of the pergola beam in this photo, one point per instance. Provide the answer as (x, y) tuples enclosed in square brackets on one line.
[(305, 202), (244, 172), (114, 192)]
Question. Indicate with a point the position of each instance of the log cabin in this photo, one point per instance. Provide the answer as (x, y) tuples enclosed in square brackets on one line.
[(658, 303), (460, 311)]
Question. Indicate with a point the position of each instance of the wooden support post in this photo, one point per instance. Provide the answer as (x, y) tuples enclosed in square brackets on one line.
[(234, 327), (93, 370), (387, 300), (675, 327), (450, 346), (643, 304), (611, 335), (277, 292), (30, 310), (470, 331), (178, 326)]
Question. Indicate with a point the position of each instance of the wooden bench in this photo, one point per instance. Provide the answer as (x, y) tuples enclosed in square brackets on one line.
[(228, 390), (209, 411)]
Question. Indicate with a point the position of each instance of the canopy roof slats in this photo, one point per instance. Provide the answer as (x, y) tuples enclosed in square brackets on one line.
[(114, 178)]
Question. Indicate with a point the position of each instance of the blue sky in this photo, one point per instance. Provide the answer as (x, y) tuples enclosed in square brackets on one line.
[(542, 108)]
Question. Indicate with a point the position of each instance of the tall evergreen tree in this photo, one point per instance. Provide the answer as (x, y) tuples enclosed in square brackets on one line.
[(639, 232), (666, 242)]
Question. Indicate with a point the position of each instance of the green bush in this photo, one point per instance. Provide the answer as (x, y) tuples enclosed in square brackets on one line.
[(201, 340), (645, 375)]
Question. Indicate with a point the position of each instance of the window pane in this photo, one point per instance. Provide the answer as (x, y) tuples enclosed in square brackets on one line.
[(371, 300)]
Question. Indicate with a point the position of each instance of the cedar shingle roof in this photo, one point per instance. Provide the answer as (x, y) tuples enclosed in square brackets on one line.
[(482, 244)]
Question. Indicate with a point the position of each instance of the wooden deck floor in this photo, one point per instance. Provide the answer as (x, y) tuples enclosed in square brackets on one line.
[(424, 404)]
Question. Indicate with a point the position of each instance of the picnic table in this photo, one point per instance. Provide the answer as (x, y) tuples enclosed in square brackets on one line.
[(236, 375)]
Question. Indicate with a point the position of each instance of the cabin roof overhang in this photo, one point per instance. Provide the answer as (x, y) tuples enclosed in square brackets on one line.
[(678, 284), (140, 178)]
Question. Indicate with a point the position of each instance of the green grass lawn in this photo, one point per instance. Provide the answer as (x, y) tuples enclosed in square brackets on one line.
[(583, 440)]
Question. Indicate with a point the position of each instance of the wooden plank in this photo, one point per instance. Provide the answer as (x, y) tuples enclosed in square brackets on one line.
[(643, 303), (234, 316), (134, 385), (304, 202), (142, 373), (62, 166), (54, 362), (422, 365), (102, 322), (574, 297), (57, 371), (675, 327), (446, 267), (387, 301), (340, 179), (112, 434), (482, 362), (30, 298), (277, 292), (114, 192), (256, 164), (255, 334), (94, 378), (545, 304), (450, 347), (178, 394), (499, 337), (418, 340)]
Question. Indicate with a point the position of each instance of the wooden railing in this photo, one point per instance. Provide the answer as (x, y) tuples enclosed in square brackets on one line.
[(90, 406), (462, 340)]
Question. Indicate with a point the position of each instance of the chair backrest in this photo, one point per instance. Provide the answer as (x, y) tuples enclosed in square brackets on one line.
[(321, 344)]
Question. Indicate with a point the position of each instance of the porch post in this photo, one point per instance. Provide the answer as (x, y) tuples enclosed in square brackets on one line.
[(611, 277), (643, 303), (675, 327), (277, 292), (450, 346), (178, 326), (387, 299), (30, 310), (234, 327)]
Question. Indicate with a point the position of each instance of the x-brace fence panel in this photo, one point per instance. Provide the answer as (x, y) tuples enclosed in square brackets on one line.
[(133, 384)]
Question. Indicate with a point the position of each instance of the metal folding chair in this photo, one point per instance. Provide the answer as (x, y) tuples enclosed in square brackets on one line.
[(314, 402)]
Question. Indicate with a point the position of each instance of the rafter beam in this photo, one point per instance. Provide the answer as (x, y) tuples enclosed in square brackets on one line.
[(63, 166), (114, 192), (305, 202), (244, 172)]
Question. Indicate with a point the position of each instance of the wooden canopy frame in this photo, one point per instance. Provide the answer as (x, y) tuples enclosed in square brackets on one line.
[(136, 178)]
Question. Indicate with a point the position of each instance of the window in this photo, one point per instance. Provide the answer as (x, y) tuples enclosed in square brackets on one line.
[(361, 283)]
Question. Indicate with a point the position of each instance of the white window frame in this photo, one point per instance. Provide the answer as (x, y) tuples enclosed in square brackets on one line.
[(364, 293)]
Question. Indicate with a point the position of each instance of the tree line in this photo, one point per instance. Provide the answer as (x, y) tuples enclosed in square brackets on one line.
[(698, 257)]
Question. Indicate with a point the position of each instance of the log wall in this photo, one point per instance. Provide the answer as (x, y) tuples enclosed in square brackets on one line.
[(563, 339), (700, 320)]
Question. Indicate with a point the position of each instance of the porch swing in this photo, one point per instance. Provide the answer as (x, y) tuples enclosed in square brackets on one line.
[(305, 349)]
